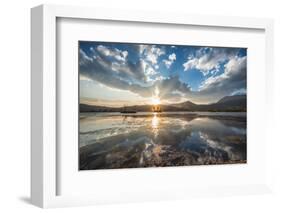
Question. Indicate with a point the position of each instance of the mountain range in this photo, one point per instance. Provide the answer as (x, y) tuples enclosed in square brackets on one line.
[(235, 103)]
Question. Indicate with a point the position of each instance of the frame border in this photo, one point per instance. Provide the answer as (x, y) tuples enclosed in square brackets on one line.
[(43, 91)]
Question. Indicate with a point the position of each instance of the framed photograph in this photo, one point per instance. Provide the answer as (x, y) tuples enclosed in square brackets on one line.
[(151, 105), (129, 106)]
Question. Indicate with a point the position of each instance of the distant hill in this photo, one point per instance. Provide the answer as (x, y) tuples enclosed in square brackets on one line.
[(235, 99), (236, 103), (185, 105), (93, 108)]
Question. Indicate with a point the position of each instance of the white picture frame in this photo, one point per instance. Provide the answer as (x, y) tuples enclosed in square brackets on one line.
[(44, 154)]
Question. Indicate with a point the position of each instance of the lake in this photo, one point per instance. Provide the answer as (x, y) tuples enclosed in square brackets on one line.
[(115, 140)]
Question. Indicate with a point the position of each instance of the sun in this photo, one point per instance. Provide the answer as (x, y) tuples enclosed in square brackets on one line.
[(155, 101)]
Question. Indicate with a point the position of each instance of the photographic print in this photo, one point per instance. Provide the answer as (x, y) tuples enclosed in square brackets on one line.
[(159, 105)]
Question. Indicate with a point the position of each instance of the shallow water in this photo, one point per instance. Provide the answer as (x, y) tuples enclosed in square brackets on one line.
[(114, 140)]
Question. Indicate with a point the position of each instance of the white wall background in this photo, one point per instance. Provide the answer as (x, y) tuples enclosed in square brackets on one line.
[(15, 104)]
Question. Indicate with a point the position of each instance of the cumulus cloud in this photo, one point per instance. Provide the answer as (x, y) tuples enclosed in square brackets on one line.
[(116, 53), (172, 87), (84, 59), (151, 52), (168, 62), (110, 73), (233, 77), (127, 75), (140, 72), (208, 59)]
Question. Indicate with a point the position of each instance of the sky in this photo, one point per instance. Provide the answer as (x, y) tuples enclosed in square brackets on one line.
[(118, 74)]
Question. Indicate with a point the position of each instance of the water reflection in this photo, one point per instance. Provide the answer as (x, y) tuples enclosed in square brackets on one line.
[(161, 139), (155, 124), (155, 121)]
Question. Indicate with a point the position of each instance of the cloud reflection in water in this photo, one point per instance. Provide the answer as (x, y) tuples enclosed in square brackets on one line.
[(109, 141)]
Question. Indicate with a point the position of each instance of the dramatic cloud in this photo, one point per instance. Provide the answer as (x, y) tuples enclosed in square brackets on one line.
[(127, 75), (232, 79), (112, 73), (168, 62), (208, 59), (117, 54), (149, 53), (136, 68), (172, 87)]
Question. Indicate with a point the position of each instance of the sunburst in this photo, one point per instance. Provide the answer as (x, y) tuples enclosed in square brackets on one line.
[(155, 101)]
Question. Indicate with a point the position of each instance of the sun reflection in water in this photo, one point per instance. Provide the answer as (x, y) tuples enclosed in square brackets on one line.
[(155, 123)]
